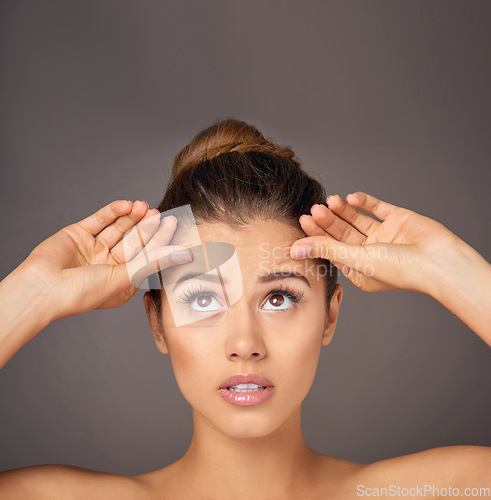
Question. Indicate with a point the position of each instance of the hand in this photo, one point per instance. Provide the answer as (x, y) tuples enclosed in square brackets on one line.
[(84, 265), (397, 252)]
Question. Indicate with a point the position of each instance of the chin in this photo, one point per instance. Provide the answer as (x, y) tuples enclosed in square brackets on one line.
[(247, 422), (249, 428)]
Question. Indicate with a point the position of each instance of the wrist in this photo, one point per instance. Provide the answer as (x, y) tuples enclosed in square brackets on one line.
[(27, 296), (456, 268), (461, 281), (24, 312)]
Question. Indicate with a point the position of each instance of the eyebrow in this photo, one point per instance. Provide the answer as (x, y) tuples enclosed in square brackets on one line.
[(263, 278), (279, 275), (201, 276)]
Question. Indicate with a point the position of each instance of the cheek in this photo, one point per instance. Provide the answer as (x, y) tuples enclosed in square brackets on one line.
[(299, 351), (193, 353), (302, 356), (193, 359)]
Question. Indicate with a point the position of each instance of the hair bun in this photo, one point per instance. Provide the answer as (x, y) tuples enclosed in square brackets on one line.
[(226, 136)]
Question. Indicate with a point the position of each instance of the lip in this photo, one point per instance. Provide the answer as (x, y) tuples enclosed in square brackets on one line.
[(243, 378), (246, 398)]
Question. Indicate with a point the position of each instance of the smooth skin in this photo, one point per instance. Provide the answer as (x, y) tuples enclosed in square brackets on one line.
[(412, 246), (259, 451)]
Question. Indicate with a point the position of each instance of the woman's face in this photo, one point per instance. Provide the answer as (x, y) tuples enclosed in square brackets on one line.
[(276, 329)]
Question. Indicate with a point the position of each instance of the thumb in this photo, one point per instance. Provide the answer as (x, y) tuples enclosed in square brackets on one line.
[(158, 259), (357, 257), (395, 265)]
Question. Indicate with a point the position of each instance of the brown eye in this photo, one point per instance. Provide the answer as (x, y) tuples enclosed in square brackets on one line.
[(282, 300), (204, 301), (201, 300), (276, 300)]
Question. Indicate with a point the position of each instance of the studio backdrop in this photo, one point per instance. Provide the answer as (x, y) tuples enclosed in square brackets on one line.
[(386, 97)]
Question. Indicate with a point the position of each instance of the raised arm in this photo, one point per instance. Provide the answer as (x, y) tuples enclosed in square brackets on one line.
[(24, 312), (461, 281), (402, 250), (83, 266)]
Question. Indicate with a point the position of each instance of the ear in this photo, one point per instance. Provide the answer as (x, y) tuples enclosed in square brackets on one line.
[(155, 323), (332, 317)]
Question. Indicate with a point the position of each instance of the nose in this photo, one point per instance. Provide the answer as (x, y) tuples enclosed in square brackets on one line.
[(245, 337)]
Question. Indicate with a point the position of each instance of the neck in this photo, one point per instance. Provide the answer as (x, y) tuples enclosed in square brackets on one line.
[(272, 466)]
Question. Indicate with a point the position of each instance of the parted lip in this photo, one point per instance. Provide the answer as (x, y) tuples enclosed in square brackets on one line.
[(242, 378)]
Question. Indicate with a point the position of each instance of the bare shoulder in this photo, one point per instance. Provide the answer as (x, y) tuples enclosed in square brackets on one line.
[(338, 468), (459, 466), (67, 482), (334, 477)]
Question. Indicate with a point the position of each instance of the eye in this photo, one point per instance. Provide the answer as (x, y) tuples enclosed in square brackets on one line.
[(201, 300), (282, 299)]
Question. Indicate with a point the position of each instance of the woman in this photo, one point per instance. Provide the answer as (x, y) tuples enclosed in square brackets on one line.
[(247, 441)]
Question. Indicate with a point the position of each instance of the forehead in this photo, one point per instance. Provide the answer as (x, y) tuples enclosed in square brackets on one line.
[(261, 247), (251, 239)]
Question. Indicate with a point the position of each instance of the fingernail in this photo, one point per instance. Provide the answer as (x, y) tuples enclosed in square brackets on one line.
[(181, 257), (168, 218), (300, 251)]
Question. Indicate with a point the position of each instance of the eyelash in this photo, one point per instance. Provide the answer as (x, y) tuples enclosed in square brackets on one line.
[(190, 295), (291, 293)]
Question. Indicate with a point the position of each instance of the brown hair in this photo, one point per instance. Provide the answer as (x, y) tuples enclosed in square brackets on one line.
[(229, 173)]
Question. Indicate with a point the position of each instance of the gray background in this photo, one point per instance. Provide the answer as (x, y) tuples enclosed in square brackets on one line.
[(388, 97)]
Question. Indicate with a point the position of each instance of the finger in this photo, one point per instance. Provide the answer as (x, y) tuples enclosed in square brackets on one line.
[(164, 234), (154, 261), (348, 224), (132, 274), (381, 261), (363, 281), (369, 203), (96, 222), (111, 234), (137, 239), (335, 226), (310, 227), (327, 247), (359, 257)]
